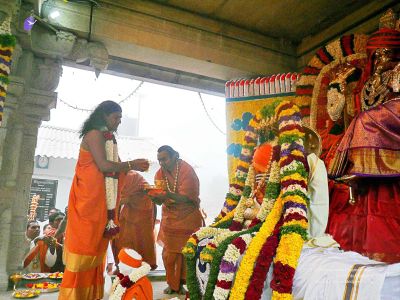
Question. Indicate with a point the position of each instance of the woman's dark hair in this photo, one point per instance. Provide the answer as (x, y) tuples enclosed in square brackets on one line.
[(45, 226), (97, 119), (171, 152), (55, 216)]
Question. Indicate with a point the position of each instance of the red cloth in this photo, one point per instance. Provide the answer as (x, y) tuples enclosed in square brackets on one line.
[(371, 226)]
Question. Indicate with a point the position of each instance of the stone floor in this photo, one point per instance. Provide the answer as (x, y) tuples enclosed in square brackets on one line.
[(158, 287)]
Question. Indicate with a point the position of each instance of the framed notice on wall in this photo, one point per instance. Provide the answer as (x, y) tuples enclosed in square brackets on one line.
[(47, 190)]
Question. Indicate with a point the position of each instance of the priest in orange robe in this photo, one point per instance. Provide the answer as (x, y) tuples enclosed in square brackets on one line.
[(181, 214), (89, 210), (137, 219)]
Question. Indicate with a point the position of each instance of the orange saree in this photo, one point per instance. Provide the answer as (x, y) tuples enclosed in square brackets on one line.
[(178, 222), (137, 220), (85, 247)]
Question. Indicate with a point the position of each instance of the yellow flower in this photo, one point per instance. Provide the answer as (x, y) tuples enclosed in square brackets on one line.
[(302, 223), (292, 132), (289, 249), (281, 296), (289, 112), (247, 264), (278, 107), (206, 257), (295, 176), (187, 250), (192, 240)]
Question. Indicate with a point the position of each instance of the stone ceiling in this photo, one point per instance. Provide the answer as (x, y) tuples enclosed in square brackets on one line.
[(202, 44), (288, 19)]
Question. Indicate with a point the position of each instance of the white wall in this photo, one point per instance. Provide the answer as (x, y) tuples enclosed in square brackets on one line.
[(61, 169)]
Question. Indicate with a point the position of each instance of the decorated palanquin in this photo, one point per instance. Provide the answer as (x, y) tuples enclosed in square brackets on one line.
[(353, 87), (259, 247), (264, 219)]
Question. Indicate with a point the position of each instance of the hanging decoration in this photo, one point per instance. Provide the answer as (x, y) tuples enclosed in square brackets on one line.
[(29, 22), (7, 45), (130, 96)]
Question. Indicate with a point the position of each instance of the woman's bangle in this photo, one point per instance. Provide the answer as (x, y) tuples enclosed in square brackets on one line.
[(129, 165)]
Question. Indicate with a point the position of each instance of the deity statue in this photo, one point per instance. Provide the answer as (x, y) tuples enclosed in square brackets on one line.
[(367, 157), (272, 244)]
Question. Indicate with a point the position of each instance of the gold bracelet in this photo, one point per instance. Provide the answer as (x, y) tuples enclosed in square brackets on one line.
[(129, 165)]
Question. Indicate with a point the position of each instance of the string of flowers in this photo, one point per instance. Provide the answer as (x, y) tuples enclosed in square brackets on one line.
[(122, 283), (111, 183), (294, 179), (294, 187), (288, 116), (266, 115), (263, 263), (229, 264), (245, 270), (237, 185), (224, 219), (7, 45), (219, 253)]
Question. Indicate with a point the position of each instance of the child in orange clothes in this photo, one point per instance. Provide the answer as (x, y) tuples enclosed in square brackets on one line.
[(132, 282)]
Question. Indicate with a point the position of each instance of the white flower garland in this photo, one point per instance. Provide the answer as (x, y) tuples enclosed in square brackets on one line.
[(117, 290), (232, 255), (111, 185), (268, 203)]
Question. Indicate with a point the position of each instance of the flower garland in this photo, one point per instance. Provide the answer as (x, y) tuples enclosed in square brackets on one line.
[(122, 283), (7, 45), (294, 180), (237, 185), (291, 207), (229, 264), (263, 263), (247, 264), (219, 253), (283, 220), (111, 183)]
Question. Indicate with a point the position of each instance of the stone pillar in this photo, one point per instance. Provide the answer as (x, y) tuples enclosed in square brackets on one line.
[(30, 98)]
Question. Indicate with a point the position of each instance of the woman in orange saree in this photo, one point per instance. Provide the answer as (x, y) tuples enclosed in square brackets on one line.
[(89, 214)]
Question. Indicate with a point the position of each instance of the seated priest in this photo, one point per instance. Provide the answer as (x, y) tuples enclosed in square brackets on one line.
[(272, 245), (42, 256), (132, 282)]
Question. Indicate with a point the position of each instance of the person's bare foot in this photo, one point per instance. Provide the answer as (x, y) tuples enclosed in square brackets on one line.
[(182, 290), (169, 291)]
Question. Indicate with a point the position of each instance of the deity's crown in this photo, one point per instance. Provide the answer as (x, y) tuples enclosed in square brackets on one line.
[(389, 20), (388, 35)]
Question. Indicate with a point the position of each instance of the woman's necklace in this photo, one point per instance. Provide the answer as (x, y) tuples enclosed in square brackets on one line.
[(175, 179)]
